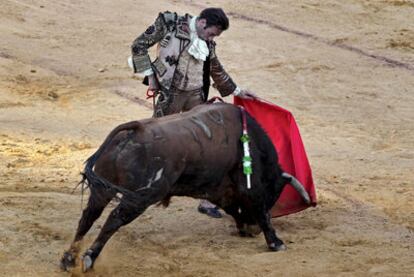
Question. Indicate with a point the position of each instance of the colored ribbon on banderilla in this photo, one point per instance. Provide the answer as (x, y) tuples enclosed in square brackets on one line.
[(247, 159)]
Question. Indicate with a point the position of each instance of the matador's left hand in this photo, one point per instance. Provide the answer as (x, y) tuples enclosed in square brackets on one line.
[(247, 94)]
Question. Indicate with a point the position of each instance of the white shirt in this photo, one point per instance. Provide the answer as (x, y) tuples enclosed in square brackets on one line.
[(198, 48)]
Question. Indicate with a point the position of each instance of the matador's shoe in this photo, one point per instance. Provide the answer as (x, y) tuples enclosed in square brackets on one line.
[(212, 212)]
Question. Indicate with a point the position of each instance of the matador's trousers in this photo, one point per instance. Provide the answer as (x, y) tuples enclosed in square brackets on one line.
[(177, 101)]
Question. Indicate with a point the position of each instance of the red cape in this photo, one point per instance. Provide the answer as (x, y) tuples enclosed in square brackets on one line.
[(281, 127)]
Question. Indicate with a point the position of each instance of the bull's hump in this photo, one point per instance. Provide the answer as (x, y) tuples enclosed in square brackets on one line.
[(203, 126)]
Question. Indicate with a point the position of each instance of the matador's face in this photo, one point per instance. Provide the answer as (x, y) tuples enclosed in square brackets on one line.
[(209, 33)]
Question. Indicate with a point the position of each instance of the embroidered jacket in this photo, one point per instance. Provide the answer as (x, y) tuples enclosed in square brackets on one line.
[(172, 33)]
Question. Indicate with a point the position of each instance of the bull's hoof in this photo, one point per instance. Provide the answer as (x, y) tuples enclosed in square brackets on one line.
[(67, 261), (87, 261), (277, 247)]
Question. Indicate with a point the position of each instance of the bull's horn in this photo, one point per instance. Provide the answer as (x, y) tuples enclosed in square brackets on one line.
[(298, 187)]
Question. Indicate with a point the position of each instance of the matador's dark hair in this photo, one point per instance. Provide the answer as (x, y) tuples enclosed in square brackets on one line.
[(215, 17)]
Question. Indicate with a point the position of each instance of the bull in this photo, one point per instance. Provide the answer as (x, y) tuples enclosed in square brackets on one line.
[(198, 154)]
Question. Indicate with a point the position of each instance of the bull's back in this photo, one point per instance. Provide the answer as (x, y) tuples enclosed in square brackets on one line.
[(202, 141), (206, 134), (210, 142)]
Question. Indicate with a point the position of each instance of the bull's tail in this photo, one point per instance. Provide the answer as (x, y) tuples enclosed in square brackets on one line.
[(89, 178), (297, 186)]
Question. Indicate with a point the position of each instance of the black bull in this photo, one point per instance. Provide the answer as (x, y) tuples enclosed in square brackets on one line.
[(197, 154)]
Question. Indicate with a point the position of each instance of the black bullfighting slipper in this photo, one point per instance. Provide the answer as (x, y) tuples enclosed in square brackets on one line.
[(212, 212)]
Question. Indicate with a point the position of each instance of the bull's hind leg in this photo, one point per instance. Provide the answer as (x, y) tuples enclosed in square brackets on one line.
[(273, 242), (129, 209), (96, 204)]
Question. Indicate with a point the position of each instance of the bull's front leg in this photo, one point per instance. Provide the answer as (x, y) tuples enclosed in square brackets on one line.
[(273, 242), (244, 223), (233, 210)]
